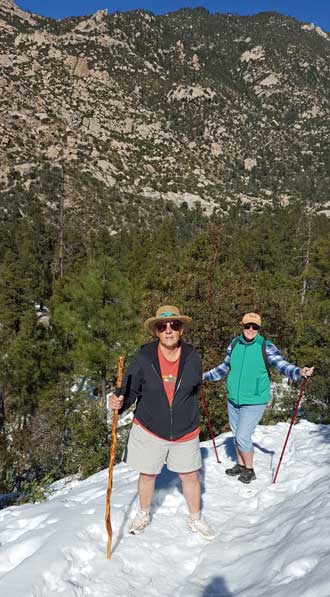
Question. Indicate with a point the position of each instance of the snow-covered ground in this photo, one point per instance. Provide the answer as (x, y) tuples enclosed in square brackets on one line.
[(273, 540)]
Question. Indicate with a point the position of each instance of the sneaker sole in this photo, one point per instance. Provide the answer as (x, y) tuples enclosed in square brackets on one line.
[(135, 532), (233, 474)]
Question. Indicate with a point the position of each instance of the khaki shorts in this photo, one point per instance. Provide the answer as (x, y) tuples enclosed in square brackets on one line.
[(147, 454)]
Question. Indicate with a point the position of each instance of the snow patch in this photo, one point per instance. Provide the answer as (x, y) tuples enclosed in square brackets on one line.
[(277, 532)]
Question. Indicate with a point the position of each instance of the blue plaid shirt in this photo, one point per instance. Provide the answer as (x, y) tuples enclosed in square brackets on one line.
[(274, 358)]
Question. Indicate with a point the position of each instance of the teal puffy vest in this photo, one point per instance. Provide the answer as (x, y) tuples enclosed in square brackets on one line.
[(248, 381)]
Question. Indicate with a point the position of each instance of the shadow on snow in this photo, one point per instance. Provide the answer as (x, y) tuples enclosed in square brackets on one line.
[(168, 480), (229, 447), (216, 588), (323, 431)]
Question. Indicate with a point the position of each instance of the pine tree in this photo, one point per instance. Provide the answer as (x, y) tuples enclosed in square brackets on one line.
[(95, 311)]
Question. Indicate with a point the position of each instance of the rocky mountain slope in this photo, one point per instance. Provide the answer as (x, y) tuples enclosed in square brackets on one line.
[(120, 115)]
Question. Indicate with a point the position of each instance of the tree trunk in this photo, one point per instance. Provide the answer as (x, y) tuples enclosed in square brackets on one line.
[(306, 264), (104, 389)]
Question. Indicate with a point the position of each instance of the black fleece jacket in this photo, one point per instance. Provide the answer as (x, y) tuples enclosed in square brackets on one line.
[(143, 383)]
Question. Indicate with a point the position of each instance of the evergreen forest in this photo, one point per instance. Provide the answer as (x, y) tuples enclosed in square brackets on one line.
[(72, 299)]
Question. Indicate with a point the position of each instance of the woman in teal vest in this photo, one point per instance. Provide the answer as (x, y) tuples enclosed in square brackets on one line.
[(246, 368)]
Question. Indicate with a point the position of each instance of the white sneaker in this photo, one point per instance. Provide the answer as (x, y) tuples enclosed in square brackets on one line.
[(202, 527), (139, 523)]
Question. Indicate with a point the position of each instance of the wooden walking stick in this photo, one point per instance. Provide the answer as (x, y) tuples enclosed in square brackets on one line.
[(112, 458)]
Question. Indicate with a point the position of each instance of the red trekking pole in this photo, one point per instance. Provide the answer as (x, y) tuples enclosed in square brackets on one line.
[(203, 399), (292, 421)]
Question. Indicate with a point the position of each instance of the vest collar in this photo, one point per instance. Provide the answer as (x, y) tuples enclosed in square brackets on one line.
[(255, 340)]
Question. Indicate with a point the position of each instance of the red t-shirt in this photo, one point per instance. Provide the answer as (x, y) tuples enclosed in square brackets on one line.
[(169, 372)]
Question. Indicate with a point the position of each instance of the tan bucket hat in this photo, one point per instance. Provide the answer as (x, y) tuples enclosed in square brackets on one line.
[(251, 318), (164, 314)]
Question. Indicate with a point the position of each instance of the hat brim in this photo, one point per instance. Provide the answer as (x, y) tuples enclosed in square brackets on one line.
[(149, 324), (251, 320)]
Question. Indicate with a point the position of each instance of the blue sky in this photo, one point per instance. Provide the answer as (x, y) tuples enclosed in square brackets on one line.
[(317, 11)]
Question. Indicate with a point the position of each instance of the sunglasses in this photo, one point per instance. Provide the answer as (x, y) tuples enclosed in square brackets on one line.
[(174, 325), (253, 326)]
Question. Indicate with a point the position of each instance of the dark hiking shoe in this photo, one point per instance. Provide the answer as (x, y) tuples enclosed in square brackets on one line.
[(247, 475), (235, 470)]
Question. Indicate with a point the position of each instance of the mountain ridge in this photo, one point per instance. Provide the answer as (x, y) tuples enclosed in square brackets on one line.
[(133, 112)]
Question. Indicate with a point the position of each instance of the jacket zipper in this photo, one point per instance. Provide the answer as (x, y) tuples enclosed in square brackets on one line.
[(177, 387), (155, 370), (171, 411), (179, 384), (180, 380)]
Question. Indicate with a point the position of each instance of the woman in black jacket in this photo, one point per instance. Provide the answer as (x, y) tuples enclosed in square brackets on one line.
[(164, 379)]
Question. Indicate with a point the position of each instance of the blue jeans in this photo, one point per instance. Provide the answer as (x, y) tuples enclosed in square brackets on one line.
[(243, 420)]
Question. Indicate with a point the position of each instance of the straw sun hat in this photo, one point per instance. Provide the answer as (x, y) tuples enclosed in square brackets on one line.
[(164, 314)]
